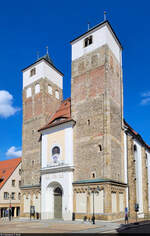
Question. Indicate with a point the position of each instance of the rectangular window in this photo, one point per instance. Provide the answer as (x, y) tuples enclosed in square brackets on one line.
[(19, 183), (6, 195), (33, 72), (13, 195), (19, 171), (88, 41), (13, 183)]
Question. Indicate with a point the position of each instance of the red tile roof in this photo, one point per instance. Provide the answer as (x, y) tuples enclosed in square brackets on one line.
[(62, 115), (136, 135), (7, 168)]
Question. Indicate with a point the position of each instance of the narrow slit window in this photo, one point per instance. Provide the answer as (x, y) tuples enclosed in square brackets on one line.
[(100, 147)]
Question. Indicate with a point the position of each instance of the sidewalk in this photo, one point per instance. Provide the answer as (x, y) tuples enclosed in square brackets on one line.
[(24, 225)]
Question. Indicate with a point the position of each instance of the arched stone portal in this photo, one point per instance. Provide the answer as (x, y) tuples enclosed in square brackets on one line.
[(57, 202)]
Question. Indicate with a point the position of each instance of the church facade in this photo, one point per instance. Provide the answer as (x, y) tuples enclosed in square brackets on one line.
[(80, 158)]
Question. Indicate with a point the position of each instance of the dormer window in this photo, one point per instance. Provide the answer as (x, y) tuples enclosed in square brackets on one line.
[(88, 41), (32, 71)]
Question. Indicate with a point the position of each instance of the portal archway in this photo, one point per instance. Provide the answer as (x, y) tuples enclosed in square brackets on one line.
[(57, 202)]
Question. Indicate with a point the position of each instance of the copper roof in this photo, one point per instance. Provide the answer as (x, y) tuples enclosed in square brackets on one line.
[(7, 168), (62, 115)]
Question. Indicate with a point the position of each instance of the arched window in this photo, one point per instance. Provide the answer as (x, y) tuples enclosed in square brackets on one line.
[(55, 150), (50, 89), (37, 88), (57, 94), (28, 92)]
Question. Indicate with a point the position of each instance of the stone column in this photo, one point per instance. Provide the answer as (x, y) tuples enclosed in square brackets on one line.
[(131, 177), (74, 201), (88, 205), (107, 201), (144, 181), (118, 203)]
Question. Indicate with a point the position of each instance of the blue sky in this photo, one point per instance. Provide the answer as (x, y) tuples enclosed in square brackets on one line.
[(29, 26)]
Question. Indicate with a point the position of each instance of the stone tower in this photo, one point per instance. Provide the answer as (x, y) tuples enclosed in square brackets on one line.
[(42, 94), (96, 96)]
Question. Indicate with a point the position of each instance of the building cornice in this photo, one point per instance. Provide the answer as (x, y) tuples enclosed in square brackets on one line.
[(56, 169)]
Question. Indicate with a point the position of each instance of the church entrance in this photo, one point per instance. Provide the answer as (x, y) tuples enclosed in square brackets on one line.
[(57, 202)]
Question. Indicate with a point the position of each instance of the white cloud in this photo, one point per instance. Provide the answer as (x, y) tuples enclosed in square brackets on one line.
[(146, 94), (145, 101), (6, 108), (13, 152), (146, 98)]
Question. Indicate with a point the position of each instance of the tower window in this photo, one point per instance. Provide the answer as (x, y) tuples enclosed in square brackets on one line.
[(33, 72), (57, 94), (88, 122), (135, 148), (88, 41), (50, 89), (93, 175), (37, 88), (100, 147), (28, 92)]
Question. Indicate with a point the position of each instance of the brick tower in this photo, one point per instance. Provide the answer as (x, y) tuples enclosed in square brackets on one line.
[(96, 96), (42, 94)]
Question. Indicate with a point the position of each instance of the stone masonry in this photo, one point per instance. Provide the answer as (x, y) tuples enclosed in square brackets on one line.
[(36, 112), (97, 109)]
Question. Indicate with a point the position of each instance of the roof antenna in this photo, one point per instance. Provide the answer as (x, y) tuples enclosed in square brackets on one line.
[(105, 15), (37, 55), (88, 26), (47, 50)]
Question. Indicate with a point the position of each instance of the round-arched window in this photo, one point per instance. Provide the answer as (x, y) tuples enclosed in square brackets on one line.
[(55, 150)]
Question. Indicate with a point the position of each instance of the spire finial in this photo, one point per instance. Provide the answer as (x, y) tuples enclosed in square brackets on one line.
[(105, 15), (47, 50), (88, 26), (37, 55)]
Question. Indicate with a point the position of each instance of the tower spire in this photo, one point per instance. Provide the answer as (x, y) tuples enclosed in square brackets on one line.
[(47, 50), (105, 15), (88, 26)]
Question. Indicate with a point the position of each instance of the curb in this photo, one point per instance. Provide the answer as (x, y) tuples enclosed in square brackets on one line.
[(133, 225)]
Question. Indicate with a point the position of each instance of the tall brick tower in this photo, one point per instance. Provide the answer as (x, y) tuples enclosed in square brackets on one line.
[(42, 94), (96, 96)]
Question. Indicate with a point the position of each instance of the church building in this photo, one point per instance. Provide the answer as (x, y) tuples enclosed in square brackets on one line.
[(80, 157)]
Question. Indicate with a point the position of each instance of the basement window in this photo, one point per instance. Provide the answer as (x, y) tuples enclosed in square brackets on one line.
[(88, 41)]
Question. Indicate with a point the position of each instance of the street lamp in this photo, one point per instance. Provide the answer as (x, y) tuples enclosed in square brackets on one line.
[(94, 190)]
